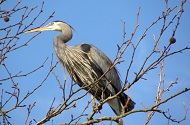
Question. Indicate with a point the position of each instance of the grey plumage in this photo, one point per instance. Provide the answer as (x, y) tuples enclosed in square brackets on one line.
[(86, 64)]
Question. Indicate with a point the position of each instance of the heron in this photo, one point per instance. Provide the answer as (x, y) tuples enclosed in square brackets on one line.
[(88, 67)]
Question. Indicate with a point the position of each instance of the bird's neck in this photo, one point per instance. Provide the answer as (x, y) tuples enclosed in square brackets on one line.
[(63, 37), (59, 43)]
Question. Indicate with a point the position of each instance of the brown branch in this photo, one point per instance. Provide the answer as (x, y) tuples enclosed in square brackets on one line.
[(25, 74), (116, 118), (181, 10), (30, 107)]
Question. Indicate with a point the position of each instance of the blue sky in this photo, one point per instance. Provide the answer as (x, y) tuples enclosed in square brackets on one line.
[(99, 23)]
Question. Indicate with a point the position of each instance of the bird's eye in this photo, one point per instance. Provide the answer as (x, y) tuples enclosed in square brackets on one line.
[(52, 23)]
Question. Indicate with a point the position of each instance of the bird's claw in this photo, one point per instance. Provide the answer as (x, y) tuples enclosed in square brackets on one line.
[(96, 108)]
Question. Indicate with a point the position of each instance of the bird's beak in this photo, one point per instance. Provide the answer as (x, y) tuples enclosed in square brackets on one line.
[(37, 29)]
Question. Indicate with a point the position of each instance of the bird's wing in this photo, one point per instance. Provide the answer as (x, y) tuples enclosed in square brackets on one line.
[(103, 63), (100, 64)]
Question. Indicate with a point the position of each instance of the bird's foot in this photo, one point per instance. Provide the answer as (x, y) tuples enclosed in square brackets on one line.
[(96, 108)]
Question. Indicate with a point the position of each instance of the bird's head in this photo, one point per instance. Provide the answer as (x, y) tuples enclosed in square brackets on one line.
[(54, 26)]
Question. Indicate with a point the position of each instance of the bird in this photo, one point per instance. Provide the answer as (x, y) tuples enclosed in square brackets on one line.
[(88, 67)]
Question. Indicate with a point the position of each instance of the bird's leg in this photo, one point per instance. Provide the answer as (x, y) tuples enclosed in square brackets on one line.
[(94, 105), (102, 97), (93, 101)]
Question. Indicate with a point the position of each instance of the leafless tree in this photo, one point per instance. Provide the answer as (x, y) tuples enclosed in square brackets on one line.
[(14, 98)]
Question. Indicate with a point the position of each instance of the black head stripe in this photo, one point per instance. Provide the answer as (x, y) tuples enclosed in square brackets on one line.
[(85, 47)]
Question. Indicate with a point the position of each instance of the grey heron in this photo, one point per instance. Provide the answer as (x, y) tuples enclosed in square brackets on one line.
[(86, 64)]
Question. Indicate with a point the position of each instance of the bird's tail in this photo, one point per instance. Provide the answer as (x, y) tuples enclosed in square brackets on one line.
[(122, 104), (127, 102)]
